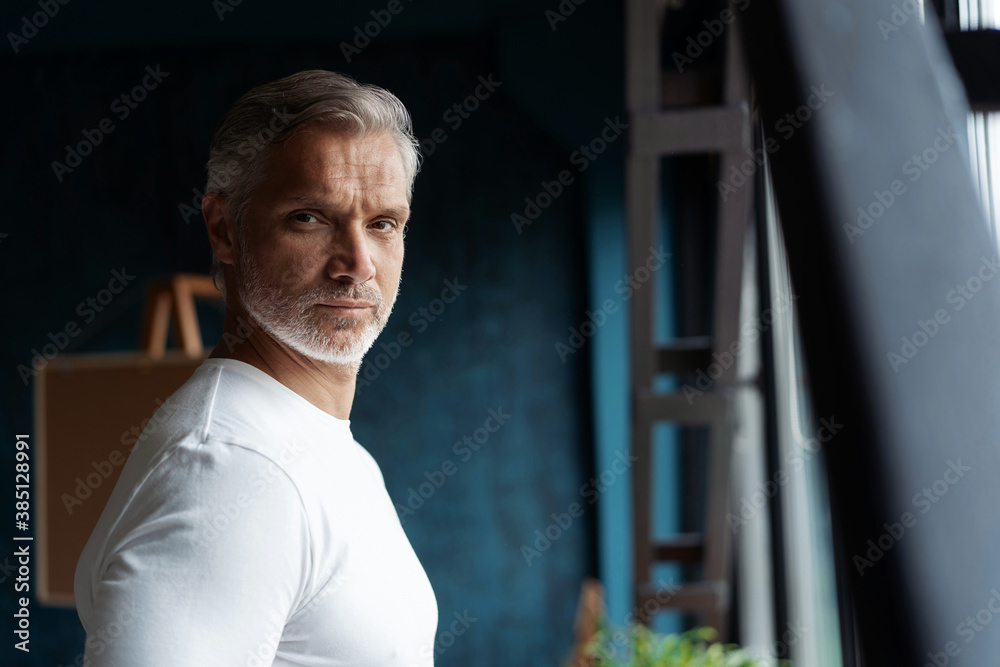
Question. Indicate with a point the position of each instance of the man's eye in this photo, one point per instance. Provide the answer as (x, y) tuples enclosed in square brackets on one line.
[(383, 225), (304, 217)]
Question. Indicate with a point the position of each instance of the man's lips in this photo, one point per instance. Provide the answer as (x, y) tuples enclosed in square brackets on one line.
[(345, 304)]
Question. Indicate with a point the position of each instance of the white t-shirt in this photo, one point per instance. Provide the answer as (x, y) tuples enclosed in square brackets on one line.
[(249, 528)]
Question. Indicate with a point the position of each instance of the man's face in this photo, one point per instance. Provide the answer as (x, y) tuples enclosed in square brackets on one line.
[(319, 262)]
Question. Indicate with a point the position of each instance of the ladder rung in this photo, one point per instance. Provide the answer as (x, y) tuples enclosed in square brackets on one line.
[(690, 88), (704, 408), (683, 548), (713, 129), (685, 355), (704, 596)]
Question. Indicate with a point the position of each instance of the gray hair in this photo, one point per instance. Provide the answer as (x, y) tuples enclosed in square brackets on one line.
[(271, 113)]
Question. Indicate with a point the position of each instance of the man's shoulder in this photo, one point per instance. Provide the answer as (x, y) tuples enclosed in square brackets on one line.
[(233, 405), (229, 401)]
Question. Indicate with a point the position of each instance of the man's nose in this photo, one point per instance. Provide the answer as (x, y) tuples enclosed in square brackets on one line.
[(351, 258)]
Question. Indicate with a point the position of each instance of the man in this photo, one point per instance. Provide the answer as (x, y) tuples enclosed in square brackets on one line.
[(248, 527)]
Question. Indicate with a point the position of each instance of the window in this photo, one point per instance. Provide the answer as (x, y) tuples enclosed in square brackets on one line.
[(984, 126)]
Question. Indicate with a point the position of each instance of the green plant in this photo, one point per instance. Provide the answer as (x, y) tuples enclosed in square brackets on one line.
[(635, 645)]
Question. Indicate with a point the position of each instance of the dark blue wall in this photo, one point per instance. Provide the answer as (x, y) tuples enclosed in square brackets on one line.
[(492, 348)]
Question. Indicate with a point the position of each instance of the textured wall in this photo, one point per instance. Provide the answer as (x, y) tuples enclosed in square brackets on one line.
[(492, 348)]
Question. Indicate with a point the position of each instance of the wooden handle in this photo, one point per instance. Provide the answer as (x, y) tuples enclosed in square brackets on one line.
[(589, 610), (175, 294)]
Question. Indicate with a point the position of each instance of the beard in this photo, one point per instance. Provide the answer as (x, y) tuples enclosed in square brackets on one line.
[(301, 324)]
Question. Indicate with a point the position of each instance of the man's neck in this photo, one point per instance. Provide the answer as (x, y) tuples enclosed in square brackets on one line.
[(330, 387)]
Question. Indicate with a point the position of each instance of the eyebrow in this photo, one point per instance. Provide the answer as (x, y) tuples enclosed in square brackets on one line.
[(399, 212)]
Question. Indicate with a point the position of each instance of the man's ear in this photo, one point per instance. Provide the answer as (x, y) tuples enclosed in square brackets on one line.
[(221, 227)]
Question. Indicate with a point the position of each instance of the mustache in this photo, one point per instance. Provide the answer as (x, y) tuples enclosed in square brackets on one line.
[(250, 273), (354, 292)]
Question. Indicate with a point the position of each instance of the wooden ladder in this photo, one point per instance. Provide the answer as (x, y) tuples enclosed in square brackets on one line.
[(656, 131)]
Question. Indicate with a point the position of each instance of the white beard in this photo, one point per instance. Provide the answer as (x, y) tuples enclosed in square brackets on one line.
[(304, 326)]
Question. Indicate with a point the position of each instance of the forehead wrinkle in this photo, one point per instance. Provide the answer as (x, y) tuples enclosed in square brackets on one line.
[(361, 175), (352, 174)]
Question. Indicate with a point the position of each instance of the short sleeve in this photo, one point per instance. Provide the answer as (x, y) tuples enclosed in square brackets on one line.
[(205, 566), (372, 465)]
